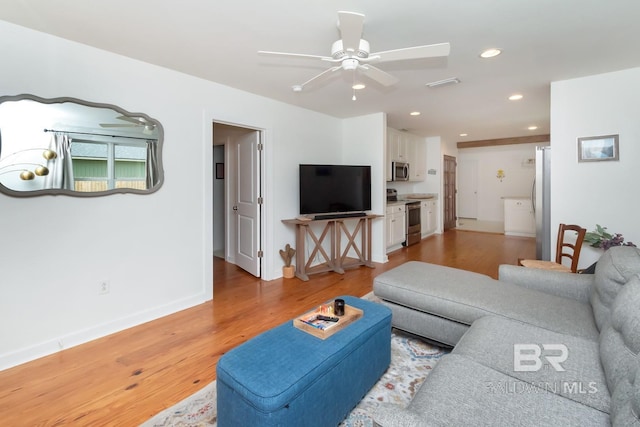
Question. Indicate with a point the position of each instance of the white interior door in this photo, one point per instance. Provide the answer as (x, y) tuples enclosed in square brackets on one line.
[(246, 205), (467, 188)]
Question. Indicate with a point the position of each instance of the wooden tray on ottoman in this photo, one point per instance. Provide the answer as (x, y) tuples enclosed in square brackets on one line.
[(351, 314)]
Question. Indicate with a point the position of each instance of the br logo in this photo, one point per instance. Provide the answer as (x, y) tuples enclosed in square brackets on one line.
[(529, 357)]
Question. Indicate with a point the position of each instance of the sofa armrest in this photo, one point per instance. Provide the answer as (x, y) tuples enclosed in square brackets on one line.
[(389, 415), (567, 285)]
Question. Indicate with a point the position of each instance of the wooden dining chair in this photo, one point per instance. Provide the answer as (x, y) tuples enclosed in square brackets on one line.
[(564, 249)]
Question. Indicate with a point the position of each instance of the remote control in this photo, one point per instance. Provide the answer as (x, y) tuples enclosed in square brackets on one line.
[(330, 319)]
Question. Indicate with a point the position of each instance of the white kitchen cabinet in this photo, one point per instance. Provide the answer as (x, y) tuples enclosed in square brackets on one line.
[(396, 225), (397, 145), (519, 219), (418, 159), (406, 147), (428, 217)]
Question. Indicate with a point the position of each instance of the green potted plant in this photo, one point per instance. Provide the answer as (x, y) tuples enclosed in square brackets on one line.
[(288, 271)]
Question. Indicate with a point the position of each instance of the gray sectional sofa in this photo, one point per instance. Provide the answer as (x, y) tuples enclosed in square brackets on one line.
[(533, 348)]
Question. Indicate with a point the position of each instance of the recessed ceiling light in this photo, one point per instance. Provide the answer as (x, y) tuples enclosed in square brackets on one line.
[(414, 113), (532, 127), (490, 53), (464, 134), (358, 86), (516, 97)]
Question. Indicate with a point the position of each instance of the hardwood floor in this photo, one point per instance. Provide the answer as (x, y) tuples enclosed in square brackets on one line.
[(125, 378)]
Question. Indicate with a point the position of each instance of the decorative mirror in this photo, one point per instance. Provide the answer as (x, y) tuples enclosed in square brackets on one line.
[(79, 148)]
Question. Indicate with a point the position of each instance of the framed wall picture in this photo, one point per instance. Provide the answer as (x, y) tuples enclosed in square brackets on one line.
[(219, 170), (598, 148)]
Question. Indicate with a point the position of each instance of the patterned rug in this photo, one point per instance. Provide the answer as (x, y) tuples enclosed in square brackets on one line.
[(411, 362)]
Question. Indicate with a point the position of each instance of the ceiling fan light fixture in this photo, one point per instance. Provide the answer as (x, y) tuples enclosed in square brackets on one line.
[(350, 64), (490, 53), (444, 82)]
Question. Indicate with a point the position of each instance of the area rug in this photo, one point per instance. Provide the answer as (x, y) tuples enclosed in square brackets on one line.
[(411, 361)]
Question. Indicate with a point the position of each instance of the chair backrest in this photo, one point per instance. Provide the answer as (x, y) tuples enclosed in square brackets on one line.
[(569, 250)]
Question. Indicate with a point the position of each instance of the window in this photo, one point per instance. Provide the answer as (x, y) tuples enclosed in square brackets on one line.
[(101, 166)]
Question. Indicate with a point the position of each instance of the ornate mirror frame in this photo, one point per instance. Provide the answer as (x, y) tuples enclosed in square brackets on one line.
[(33, 147)]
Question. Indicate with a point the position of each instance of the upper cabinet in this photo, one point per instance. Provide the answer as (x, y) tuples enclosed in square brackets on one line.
[(78, 148), (418, 165), (398, 145), (409, 148)]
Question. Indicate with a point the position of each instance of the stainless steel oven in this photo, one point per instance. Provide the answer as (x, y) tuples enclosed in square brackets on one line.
[(414, 231), (400, 171)]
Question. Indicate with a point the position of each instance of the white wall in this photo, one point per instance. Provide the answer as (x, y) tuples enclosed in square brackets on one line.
[(364, 144), (519, 175), (604, 193), (55, 250)]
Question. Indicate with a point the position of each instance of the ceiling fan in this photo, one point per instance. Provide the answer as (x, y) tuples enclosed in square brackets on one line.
[(352, 53), (133, 122)]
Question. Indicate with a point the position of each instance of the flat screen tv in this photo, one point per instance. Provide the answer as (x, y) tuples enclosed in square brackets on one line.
[(329, 189)]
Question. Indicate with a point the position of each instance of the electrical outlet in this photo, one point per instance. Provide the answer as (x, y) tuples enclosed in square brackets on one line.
[(104, 287)]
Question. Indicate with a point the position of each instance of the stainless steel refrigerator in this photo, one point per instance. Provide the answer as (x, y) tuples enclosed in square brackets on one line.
[(540, 197)]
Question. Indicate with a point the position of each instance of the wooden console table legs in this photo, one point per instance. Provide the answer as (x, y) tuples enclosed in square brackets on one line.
[(303, 265), (338, 259)]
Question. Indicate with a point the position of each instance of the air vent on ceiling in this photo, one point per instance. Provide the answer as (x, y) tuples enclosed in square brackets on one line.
[(449, 81)]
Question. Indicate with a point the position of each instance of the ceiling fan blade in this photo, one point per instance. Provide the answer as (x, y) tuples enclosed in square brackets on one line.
[(321, 77), (296, 55), (350, 24), (416, 52), (378, 75)]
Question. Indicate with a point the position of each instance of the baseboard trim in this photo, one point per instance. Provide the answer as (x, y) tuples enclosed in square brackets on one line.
[(64, 342)]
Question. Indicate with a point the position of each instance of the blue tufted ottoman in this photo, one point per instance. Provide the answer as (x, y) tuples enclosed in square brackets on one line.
[(287, 377)]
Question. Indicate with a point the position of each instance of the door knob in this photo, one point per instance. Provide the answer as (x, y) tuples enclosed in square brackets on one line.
[(235, 208)]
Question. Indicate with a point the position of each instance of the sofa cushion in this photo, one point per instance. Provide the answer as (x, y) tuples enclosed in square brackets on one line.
[(460, 391), (620, 347), (438, 330), (614, 269), (463, 297), (491, 341), (625, 405)]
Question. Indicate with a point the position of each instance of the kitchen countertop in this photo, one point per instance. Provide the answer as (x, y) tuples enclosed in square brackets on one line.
[(412, 198), (419, 196)]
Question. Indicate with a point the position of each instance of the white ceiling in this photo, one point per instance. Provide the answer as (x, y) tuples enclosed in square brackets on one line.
[(542, 41)]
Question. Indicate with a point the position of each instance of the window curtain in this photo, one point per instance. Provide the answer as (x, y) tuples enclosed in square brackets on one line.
[(60, 168), (152, 164)]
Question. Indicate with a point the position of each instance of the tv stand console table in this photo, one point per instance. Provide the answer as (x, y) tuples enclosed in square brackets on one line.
[(338, 257)]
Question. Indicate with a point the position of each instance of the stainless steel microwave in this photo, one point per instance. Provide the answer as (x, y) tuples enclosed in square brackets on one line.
[(400, 171)]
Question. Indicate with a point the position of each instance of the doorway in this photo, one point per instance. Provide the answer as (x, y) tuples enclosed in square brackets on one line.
[(468, 188), (449, 167), (237, 198)]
